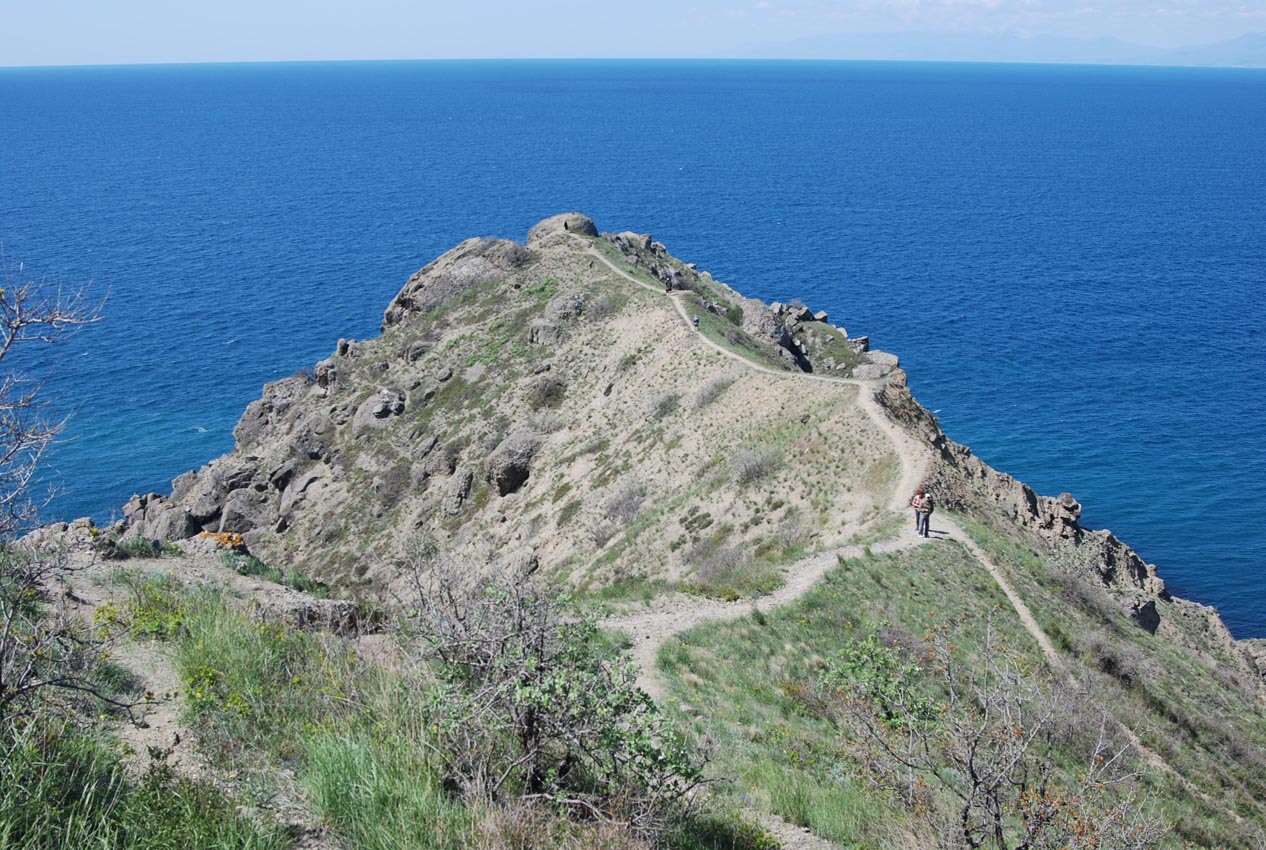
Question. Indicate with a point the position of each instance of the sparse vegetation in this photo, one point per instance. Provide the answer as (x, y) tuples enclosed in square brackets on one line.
[(727, 571), (493, 713), (663, 405), (118, 549), (155, 608), (755, 464), (711, 391), (62, 789), (546, 392), (249, 565), (624, 502), (527, 707)]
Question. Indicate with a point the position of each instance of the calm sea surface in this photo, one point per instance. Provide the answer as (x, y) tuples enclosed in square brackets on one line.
[(1070, 261)]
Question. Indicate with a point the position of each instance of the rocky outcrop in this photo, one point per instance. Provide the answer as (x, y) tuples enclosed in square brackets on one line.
[(378, 408), (963, 482), (270, 410), (458, 490), (762, 322), (473, 262), (554, 227), (510, 465)]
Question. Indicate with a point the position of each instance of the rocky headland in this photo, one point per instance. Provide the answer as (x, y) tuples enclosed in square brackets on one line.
[(530, 403), (589, 409)]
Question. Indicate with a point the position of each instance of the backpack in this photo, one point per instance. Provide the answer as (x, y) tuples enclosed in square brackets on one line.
[(927, 504)]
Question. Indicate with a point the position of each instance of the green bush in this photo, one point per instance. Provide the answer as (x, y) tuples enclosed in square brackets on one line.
[(249, 565), (531, 704), (155, 609)]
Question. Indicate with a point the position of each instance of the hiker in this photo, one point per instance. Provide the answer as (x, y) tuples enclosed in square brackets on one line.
[(916, 503), (926, 506)]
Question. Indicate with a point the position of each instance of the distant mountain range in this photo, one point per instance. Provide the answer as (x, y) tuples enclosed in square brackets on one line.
[(1246, 51)]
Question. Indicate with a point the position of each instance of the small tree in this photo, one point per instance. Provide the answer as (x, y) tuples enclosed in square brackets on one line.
[(31, 311), (530, 705), (44, 653), (987, 738)]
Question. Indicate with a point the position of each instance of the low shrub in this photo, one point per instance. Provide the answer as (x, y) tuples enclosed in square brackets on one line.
[(547, 392), (531, 703), (249, 565), (728, 572), (155, 609), (755, 464), (664, 404), (625, 501), (711, 391), (137, 547)]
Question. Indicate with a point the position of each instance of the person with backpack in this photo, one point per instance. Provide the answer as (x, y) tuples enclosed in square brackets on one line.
[(917, 504), (926, 506)]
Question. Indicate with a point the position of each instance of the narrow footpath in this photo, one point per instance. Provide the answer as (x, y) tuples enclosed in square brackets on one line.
[(676, 613), (672, 614)]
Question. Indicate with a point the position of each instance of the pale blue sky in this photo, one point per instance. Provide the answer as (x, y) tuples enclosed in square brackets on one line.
[(59, 32)]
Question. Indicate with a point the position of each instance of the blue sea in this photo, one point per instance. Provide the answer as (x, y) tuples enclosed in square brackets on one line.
[(1070, 261)]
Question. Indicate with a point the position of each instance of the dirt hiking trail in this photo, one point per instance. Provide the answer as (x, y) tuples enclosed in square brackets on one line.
[(677, 612), (672, 614)]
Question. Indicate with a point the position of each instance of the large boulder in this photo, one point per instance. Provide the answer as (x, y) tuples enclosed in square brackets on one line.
[(174, 523), (246, 510), (310, 435), (628, 240), (301, 486), (565, 306), (509, 466), (374, 411), (458, 490), (763, 323), (544, 332), (277, 400)]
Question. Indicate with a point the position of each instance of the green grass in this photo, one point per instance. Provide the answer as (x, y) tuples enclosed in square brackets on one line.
[(826, 343), (751, 683), (61, 789), (1191, 710), (395, 802), (155, 607), (628, 589), (742, 581), (139, 547), (249, 565), (359, 740), (542, 290), (721, 331), (888, 527)]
